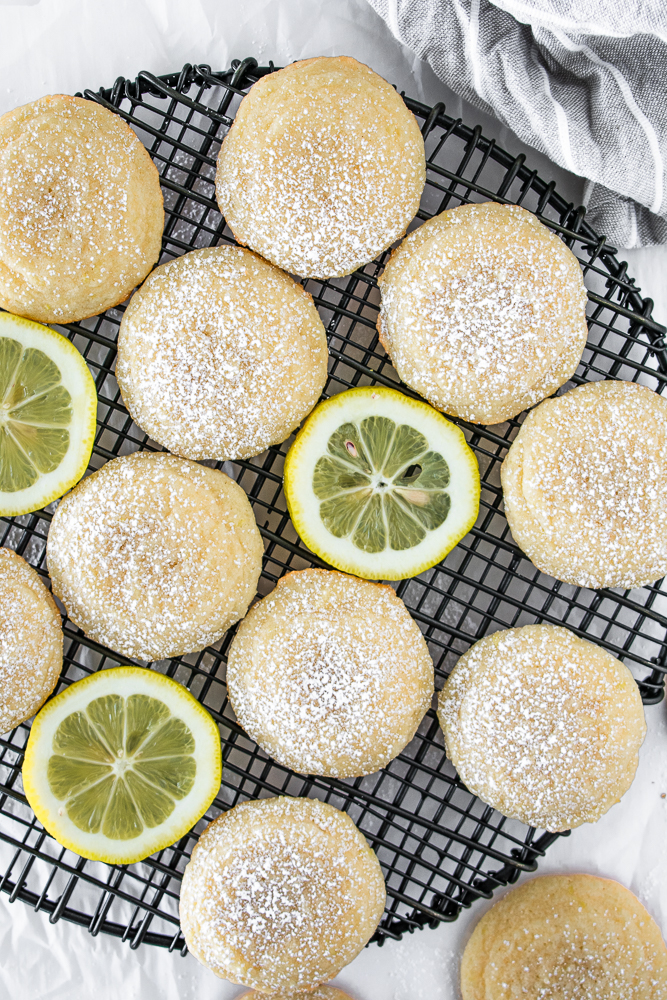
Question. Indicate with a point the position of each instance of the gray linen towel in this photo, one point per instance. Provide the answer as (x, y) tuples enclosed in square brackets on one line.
[(583, 81)]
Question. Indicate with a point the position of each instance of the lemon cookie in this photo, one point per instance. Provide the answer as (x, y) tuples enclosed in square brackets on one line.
[(585, 486), (323, 167), (566, 937), (154, 556), (280, 894), (483, 311), (543, 726), (220, 354), (321, 993), (31, 641), (330, 674), (81, 212)]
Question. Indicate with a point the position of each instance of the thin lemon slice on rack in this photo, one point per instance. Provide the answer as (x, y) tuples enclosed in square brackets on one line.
[(381, 485), (48, 406), (122, 764)]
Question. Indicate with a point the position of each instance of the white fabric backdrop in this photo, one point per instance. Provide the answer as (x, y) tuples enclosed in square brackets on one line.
[(66, 45)]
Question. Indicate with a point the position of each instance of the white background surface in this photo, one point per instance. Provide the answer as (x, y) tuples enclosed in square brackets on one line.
[(53, 46)]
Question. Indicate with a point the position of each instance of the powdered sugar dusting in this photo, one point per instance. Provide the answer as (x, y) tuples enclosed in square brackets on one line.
[(80, 209), (483, 311), (220, 355), (31, 641), (280, 894), (321, 993), (155, 556), (585, 486), (330, 674), (323, 167), (542, 725)]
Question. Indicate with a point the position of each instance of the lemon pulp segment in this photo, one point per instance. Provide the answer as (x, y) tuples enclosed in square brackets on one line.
[(48, 405), (381, 485), (122, 764)]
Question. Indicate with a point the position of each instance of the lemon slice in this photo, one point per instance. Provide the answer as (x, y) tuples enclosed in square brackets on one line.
[(122, 764), (48, 406), (381, 485)]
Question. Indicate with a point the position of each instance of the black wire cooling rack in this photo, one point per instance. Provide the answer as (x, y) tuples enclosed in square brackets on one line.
[(440, 847)]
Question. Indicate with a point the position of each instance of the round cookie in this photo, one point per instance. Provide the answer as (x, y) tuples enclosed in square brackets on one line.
[(483, 311), (566, 937), (31, 641), (543, 726), (318, 901), (154, 556), (330, 674), (585, 486), (321, 993), (81, 213), (322, 169), (220, 354)]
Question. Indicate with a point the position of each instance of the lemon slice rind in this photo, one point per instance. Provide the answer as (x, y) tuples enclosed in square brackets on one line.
[(442, 435), (78, 381), (125, 681)]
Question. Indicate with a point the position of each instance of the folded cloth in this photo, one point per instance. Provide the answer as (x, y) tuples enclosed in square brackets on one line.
[(584, 81)]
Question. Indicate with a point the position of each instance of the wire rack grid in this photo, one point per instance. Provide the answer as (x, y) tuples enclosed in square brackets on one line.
[(440, 847)]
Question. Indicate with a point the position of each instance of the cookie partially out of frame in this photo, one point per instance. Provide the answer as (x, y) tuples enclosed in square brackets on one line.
[(566, 937), (321, 993), (31, 641), (81, 212)]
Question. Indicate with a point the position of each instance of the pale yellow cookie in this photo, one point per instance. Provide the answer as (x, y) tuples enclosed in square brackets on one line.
[(483, 311), (321, 993), (280, 894), (566, 937), (31, 641), (154, 556), (585, 486), (330, 674), (81, 213), (322, 169), (220, 354), (543, 726)]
